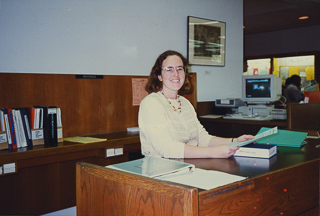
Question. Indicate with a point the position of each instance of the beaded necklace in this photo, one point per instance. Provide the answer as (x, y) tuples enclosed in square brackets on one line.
[(174, 108)]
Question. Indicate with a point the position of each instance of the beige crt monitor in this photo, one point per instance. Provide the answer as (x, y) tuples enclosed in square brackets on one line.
[(261, 89)]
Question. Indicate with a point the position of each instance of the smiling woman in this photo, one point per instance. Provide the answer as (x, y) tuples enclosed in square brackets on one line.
[(168, 123)]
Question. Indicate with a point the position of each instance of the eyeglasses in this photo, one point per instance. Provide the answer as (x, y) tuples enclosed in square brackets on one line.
[(170, 70)]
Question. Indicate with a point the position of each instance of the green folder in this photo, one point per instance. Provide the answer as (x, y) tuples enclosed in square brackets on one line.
[(283, 138)]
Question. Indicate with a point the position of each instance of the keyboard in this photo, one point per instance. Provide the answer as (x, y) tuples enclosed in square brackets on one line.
[(246, 117)]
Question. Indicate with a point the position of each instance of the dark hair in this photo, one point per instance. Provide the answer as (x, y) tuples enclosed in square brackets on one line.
[(154, 84), (295, 80)]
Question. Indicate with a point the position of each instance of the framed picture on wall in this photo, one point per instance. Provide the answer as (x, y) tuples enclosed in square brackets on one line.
[(206, 42)]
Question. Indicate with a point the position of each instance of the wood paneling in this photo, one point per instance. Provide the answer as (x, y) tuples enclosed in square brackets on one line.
[(88, 106), (304, 117)]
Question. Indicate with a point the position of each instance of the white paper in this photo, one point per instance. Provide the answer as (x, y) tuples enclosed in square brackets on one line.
[(212, 116), (205, 179), (257, 137)]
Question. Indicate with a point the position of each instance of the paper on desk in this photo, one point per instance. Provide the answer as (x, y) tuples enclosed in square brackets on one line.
[(256, 137), (79, 139), (211, 116), (205, 179)]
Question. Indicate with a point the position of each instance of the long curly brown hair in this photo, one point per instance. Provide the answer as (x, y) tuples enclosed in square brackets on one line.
[(154, 84)]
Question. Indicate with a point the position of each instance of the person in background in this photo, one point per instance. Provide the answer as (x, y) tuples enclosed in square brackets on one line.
[(245, 65), (168, 123), (292, 92)]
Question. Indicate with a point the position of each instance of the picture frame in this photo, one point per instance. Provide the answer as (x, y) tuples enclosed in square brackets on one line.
[(206, 42)]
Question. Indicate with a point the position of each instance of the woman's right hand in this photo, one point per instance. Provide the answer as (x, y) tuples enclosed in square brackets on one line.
[(223, 151)]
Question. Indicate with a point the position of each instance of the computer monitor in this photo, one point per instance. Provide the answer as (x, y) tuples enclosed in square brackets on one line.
[(261, 89)]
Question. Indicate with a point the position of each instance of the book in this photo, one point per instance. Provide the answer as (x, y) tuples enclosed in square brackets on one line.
[(20, 129), (259, 165), (257, 150), (283, 138), (50, 126), (154, 167), (12, 129), (26, 126), (32, 113), (8, 130), (2, 122)]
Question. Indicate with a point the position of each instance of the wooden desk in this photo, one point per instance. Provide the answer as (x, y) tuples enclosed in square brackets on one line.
[(234, 128), (45, 178), (288, 185)]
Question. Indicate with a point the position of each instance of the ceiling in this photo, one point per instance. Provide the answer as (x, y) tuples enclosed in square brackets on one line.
[(272, 15)]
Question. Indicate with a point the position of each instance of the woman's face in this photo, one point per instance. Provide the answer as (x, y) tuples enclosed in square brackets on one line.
[(172, 81)]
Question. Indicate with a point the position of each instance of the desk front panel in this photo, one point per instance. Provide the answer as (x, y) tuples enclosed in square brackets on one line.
[(291, 191)]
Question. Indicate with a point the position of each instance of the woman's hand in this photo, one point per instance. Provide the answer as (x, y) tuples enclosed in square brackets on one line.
[(223, 151), (243, 138)]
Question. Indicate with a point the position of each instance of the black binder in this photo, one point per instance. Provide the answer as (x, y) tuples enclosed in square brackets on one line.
[(50, 126)]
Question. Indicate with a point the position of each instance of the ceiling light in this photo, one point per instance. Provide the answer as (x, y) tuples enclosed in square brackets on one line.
[(303, 17)]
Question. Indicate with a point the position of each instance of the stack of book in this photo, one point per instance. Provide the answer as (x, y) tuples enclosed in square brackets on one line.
[(25, 127)]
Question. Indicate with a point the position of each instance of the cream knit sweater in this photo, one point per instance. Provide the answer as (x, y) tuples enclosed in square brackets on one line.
[(164, 132)]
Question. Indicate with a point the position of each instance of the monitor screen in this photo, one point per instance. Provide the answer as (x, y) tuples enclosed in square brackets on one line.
[(258, 88), (261, 88)]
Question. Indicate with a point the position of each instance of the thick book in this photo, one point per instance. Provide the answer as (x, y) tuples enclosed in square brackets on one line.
[(256, 164), (50, 126), (154, 167), (257, 150)]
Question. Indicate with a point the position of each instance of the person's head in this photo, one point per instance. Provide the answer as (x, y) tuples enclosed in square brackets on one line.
[(288, 81), (295, 80), (245, 65), (169, 72)]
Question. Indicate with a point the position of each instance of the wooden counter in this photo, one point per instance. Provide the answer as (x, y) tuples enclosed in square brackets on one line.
[(287, 184)]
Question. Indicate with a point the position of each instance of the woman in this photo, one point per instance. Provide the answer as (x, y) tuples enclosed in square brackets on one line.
[(168, 122)]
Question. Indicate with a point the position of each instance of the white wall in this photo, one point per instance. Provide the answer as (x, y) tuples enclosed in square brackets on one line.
[(118, 37)]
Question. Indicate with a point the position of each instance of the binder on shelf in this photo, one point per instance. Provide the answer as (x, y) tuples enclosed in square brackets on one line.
[(12, 130), (20, 134), (37, 136), (2, 123), (8, 130), (3, 133), (3, 140), (59, 126), (50, 126), (60, 134), (26, 126)]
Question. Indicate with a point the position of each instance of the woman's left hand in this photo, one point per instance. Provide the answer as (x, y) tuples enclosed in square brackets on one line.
[(243, 138)]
